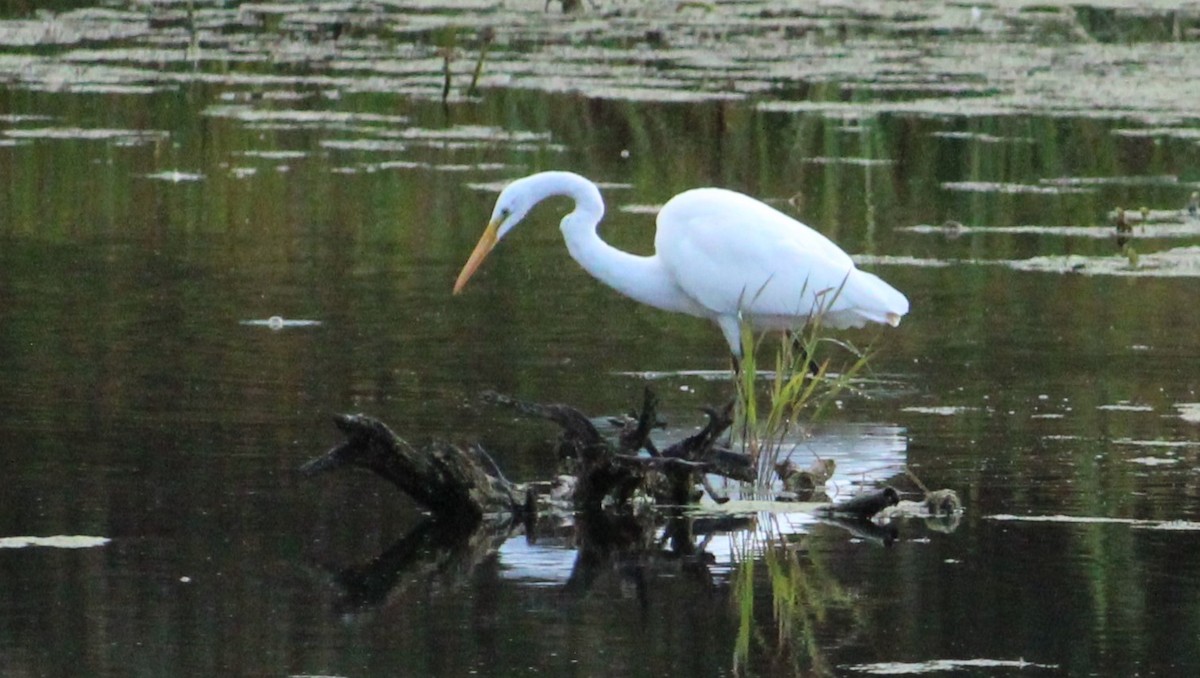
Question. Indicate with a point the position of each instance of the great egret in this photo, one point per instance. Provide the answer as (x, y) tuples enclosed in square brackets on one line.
[(719, 255)]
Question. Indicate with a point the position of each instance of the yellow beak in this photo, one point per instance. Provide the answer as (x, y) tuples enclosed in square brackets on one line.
[(486, 243)]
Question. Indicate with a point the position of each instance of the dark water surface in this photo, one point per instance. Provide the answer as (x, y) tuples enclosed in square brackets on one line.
[(166, 177)]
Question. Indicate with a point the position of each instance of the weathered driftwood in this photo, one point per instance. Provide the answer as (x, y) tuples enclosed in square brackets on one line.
[(474, 508), (455, 485), (463, 485), (615, 471), (458, 485)]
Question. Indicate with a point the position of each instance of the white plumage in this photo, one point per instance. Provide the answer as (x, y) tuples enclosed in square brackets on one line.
[(719, 255)]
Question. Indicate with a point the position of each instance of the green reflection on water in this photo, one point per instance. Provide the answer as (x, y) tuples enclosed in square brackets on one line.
[(143, 410), (805, 604)]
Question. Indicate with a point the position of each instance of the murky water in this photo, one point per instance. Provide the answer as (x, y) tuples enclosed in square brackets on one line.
[(220, 225)]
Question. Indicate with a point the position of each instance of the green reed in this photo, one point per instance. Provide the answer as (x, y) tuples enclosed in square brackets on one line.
[(800, 389)]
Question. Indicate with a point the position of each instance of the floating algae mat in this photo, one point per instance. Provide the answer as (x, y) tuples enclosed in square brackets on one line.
[(1180, 262), (981, 62)]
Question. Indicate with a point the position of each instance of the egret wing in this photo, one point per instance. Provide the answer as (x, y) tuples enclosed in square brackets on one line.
[(732, 253)]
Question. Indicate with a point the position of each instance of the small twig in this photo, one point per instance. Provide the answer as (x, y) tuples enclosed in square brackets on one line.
[(639, 437)]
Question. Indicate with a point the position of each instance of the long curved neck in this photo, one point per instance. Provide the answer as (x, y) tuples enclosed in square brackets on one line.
[(643, 279)]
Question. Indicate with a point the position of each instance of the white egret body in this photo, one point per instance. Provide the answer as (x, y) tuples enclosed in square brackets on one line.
[(719, 255)]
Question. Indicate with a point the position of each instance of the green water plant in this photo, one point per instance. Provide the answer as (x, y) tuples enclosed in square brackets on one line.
[(1124, 230), (799, 390), (486, 36)]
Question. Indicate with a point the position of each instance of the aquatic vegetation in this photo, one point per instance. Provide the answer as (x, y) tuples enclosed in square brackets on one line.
[(1172, 263), (486, 36), (801, 387), (982, 64), (122, 295)]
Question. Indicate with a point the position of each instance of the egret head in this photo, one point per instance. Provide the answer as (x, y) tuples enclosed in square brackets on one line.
[(514, 203)]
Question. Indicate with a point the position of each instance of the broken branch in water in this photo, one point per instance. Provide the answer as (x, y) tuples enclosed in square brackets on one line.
[(464, 485), (455, 485), (475, 508), (605, 470)]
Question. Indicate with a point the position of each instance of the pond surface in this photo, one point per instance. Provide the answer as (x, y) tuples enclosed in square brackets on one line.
[(221, 224)]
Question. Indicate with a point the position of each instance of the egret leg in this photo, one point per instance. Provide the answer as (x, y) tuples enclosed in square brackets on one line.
[(735, 365), (798, 348)]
